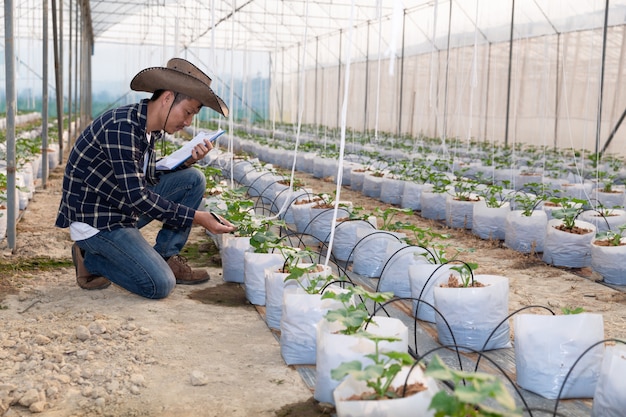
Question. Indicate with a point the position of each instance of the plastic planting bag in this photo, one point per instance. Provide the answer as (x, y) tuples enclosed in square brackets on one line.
[(334, 348), (423, 279), (346, 238), (609, 399), (547, 346), (473, 313), (372, 251), (489, 222), (410, 406), (572, 250), (254, 274), (525, 234), (395, 274), (232, 254), (298, 323)]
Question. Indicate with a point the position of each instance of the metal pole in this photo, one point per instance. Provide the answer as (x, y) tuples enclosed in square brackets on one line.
[(338, 124), (69, 78), (77, 124), (57, 70), (9, 60), (367, 72), (400, 95), (44, 99), (558, 89), (508, 88), (600, 94)]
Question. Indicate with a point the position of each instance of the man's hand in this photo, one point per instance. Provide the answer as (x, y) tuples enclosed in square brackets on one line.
[(199, 151), (213, 223)]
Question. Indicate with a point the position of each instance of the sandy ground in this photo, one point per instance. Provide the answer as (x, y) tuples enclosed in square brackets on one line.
[(65, 351), (69, 352)]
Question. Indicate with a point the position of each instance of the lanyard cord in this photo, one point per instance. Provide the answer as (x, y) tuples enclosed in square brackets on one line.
[(165, 123)]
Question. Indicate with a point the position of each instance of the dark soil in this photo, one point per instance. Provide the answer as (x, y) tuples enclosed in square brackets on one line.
[(308, 408), (226, 294)]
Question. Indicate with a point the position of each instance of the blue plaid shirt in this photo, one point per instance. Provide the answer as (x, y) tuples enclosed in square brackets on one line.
[(104, 184)]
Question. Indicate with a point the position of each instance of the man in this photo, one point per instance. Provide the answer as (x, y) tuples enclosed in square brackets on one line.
[(111, 187)]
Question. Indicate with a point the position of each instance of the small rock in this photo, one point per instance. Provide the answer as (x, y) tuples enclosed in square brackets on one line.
[(134, 389), (31, 396), (37, 407), (199, 378), (97, 327), (42, 340), (82, 333), (100, 402), (138, 379)]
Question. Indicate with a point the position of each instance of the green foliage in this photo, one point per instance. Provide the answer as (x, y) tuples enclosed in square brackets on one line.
[(572, 310), (388, 214), (466, 272), (614, 238), (494, 195), (571, 209), (240, 212), (529, 201), (380, 374), (353, 315), (472, 390)]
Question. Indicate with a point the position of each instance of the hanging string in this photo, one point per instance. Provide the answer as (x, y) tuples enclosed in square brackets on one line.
[(342, 143), (300, 113), (380, 36)]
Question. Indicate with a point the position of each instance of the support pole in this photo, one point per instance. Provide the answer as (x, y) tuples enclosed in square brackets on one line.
[(601, 88), (508, 87), (44, 99), (58, 78), (9, 62)]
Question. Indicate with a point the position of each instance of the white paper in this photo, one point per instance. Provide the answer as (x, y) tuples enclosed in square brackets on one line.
[(176, 158)]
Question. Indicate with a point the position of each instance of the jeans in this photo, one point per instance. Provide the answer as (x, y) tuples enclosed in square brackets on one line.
[(125, 257)]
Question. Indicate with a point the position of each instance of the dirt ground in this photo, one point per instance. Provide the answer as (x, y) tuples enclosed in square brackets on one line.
[(202, 351)]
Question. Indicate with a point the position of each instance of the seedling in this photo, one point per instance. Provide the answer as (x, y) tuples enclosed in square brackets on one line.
[(468, 398), (379, 375)]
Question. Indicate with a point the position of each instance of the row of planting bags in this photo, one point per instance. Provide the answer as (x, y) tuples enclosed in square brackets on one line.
[(546, 346), (28, 170)]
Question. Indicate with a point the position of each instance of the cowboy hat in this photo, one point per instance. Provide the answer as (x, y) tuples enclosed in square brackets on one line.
[(182, 77)]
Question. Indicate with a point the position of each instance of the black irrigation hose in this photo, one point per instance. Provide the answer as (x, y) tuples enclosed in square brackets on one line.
[(370, 235), (493, 362), (419, 297), (298, 194), (556, 404), (415, 324), (504, 321), (402, 249)]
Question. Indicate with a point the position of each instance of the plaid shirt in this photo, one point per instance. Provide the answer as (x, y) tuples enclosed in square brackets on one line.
[(104, 184)]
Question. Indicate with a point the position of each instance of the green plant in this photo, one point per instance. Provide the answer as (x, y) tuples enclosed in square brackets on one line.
[(440, 181), (466, 273), (353, 315), (613, 238), (380, 374), (465, 189), (570, 209), (494, 194), (572, 310), (471, 391), (388, 214), (529, 201)]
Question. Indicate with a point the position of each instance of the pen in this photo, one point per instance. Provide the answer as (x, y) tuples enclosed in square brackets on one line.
[(216, 217)]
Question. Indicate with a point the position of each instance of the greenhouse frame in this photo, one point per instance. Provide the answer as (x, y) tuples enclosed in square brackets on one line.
[(438, 109)]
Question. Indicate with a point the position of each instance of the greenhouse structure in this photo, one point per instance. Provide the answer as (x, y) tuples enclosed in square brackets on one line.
[(420, 201)]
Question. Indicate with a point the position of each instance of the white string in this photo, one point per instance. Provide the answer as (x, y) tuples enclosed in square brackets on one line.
[(302, 80), (342, 143), (380, 35)]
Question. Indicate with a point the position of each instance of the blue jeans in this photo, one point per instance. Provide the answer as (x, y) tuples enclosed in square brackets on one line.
[(127, 259)]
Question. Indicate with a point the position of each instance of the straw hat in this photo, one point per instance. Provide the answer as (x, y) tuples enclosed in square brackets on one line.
[(182, 77)]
